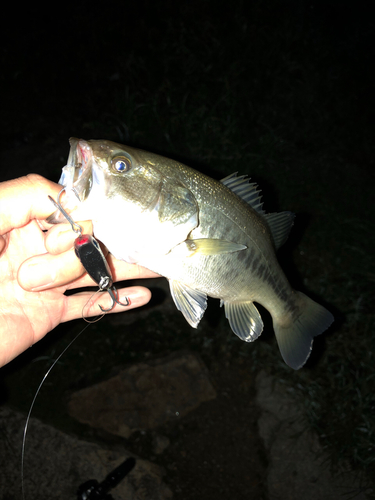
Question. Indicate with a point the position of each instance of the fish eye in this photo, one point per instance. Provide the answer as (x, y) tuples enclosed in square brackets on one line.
[(121, 164)]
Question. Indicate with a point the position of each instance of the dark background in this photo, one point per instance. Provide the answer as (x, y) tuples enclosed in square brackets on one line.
[(280, 90)]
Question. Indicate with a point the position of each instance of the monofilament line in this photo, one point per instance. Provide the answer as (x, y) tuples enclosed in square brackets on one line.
[(32, 406)]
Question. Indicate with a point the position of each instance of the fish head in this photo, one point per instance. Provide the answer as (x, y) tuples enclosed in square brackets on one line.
[(135, 207)]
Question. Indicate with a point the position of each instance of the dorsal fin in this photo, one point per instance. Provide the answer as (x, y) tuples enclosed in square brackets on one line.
[(279, 224), (247, 191)]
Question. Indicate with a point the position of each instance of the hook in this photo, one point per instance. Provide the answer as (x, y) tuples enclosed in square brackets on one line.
[(112, 291), (66, 215), (91, 257)]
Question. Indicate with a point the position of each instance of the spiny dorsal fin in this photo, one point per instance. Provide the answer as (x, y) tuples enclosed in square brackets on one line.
[(279, 224), (247, 191)]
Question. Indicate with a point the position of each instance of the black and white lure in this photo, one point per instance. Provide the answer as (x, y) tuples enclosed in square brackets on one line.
[(92, 258)]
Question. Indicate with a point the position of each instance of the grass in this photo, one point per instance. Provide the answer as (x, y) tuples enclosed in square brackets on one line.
[(275, 90)]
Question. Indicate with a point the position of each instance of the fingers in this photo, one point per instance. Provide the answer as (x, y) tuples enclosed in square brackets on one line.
[(61, 237), (49, 271), (24, 199), (86, 304), (61, 267)]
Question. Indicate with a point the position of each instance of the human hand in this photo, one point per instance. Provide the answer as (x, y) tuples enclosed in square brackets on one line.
[(33, 282)]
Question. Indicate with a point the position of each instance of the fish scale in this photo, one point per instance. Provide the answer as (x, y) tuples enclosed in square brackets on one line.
[(207, 237)]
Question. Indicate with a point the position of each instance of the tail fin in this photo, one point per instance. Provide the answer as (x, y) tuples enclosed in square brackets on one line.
[(295, 340)]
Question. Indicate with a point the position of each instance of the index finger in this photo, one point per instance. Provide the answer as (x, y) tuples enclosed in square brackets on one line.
[(24, 199)]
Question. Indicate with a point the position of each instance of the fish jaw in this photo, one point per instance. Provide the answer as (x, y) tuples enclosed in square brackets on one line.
[(76, 178)]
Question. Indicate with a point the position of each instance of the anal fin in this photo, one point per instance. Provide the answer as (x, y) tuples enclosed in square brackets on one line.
[(244, 319)]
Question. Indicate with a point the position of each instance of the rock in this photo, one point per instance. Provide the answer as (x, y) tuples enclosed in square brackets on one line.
[(144, 396), (159, 443), (298, 467), (57, 464)]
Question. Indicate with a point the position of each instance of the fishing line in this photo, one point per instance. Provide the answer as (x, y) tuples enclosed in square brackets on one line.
[(33, 402), (83, 308), (44, 379)]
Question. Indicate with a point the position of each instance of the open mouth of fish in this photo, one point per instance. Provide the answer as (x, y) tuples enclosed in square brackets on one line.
[(77, 174), (76, 177)]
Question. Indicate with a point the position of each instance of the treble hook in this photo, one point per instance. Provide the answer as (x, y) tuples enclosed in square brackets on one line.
[(112, 291), (90, 254)]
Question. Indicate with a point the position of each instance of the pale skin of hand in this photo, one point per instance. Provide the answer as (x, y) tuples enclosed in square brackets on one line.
[(37, 267)]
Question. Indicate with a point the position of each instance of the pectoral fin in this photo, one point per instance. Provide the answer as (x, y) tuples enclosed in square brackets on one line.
[(244, 319), (206, 246), (190, 302)]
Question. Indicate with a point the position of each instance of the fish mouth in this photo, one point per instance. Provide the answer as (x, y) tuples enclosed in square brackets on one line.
[(76, 178), (77, 175)]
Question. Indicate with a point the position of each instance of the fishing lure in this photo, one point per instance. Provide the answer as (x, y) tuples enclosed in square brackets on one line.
[(89, 253)]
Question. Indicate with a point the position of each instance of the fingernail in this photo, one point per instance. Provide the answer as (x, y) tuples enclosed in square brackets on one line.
[(38, 276)]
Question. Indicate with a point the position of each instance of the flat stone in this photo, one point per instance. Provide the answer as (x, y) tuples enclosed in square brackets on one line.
[(144, 396), (56, 464), (298, 466), (159, 443)]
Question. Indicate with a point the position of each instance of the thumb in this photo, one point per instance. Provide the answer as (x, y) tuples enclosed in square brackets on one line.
[(24, 199)]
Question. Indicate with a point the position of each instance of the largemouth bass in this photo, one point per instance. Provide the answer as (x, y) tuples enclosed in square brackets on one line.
[(207, 237)]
